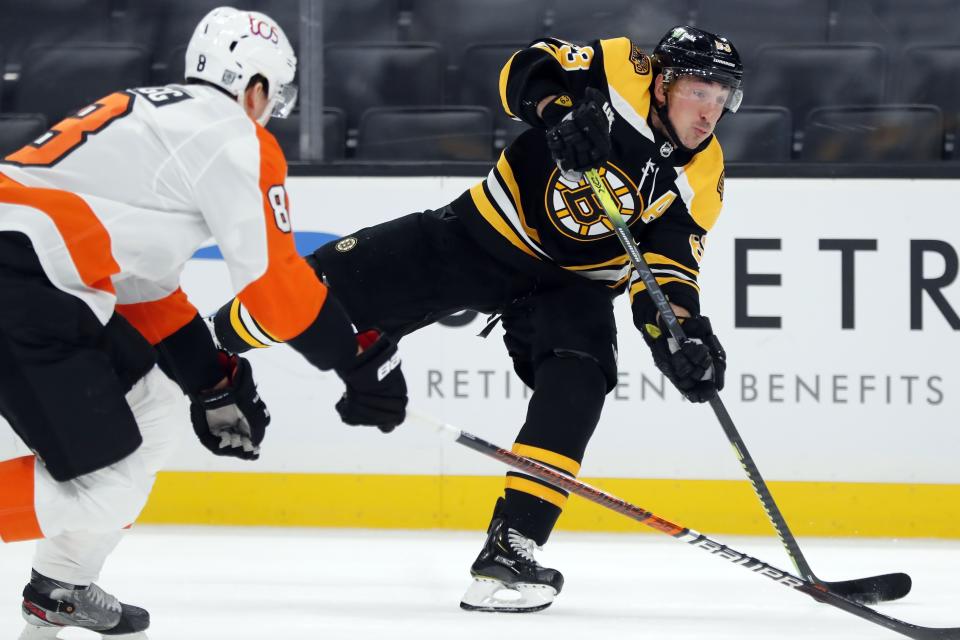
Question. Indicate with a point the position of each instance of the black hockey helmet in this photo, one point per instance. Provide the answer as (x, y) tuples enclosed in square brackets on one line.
[(689, 51)]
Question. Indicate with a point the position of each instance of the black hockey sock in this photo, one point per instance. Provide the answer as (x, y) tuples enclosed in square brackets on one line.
[(561, 417)]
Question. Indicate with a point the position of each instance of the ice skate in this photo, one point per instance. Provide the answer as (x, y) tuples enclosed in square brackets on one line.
[(506, 576), (50, 605)]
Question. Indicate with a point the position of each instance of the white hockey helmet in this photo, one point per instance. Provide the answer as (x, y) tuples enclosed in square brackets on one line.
[(230, 46)]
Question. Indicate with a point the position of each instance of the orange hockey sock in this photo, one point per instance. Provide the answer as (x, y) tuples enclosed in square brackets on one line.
[(18, 518)]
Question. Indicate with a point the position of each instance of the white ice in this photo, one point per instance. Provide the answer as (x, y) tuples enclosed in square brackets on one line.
[(285, 584)]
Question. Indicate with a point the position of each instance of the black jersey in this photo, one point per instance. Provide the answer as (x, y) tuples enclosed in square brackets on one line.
[(526, 210)]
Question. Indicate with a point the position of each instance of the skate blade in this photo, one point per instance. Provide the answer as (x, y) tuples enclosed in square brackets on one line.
[(485, 594), (32, 632)]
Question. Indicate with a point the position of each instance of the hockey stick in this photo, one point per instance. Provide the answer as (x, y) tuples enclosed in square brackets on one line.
[(871, 590), (694, 538)]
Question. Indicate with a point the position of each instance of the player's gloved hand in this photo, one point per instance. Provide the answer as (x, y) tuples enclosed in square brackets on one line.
[(376, 392), (231, 421), (696, 368), (579, 135)]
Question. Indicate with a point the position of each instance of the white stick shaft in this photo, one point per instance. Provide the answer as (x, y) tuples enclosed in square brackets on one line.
[(443, 428)]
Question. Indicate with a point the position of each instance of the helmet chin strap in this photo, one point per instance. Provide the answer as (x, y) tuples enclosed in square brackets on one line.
[(662, 113)]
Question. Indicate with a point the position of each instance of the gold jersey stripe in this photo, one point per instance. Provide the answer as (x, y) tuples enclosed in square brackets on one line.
[(536, 489), (552, 49), (640, 286), (494, 219), (546, 456), (622, 76), (703, 175), (237, 323), (504, 75), (506, 172), (656, 258)]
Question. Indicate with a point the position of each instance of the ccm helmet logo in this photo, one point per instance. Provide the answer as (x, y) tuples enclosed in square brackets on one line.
[(384, 370), (264, 29)]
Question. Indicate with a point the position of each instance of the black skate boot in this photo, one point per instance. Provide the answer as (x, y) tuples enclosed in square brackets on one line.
[(506, 576), (50, 605)]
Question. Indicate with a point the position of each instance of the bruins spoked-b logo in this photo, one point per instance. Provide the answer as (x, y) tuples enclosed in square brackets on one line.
[(346, 244), (577, 213)]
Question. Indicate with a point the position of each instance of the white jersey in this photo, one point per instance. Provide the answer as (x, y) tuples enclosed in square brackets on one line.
[(117, 197)]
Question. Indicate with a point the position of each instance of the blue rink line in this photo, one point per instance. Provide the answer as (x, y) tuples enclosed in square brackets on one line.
[(307, 242)]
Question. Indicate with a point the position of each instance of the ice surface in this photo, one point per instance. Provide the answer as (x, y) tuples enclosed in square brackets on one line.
[(266, 584)]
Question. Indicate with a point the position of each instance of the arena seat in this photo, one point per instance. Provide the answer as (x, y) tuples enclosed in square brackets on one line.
[(802, 77), (441, 133), (354, 20), (287, 131), (455, 24), (58, 80), (17, 129), (582, 22), (897, 24), (870, 133), (26, 23), (750, 24), (930, 74), (357, 77), (756, 134)]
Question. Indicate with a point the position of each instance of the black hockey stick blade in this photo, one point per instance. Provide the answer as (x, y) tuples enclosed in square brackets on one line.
[(872, 590)]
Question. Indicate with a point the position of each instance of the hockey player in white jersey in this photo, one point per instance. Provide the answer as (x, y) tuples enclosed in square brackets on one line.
[(97, 218)]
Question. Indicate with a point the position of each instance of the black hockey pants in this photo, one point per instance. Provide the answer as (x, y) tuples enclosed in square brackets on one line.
[(405, 274), (63, 374)]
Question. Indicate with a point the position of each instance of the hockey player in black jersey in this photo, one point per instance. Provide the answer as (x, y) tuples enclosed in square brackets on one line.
[(530, 242)]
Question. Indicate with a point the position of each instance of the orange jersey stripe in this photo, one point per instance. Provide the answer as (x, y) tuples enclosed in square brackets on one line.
[(288, 297), (85, 236), (159, 319), (18, 518)]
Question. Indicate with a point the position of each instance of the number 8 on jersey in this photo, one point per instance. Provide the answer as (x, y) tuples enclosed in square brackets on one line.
[(277, 197)]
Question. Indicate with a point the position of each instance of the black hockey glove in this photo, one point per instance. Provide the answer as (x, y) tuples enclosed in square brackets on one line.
[(231, 421), (376, 392), (579, 136), (695, 368)]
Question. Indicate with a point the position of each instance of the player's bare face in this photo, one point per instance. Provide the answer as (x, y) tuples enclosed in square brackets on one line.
[(694, 107)]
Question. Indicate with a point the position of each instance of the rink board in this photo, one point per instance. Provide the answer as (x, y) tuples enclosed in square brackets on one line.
[(835, 300)]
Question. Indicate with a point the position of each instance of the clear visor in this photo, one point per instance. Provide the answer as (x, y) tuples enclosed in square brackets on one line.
[(717, 88), (284, 101)]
